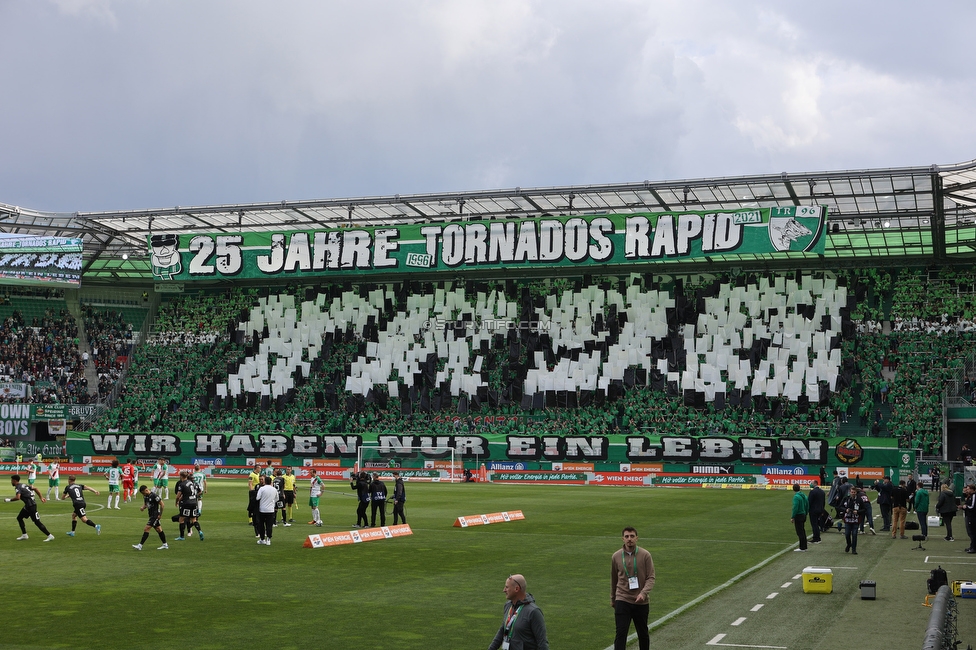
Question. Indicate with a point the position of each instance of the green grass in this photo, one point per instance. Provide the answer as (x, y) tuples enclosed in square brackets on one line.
[(439, 588)]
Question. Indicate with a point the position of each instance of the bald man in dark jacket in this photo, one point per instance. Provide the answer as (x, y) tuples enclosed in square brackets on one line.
[(818, 503)]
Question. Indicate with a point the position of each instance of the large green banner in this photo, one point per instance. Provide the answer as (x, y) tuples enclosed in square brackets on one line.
[(588, 240), (708, 454)]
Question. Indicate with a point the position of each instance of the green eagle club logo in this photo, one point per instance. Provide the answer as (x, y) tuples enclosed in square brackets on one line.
[(849, 451), (794, 234)]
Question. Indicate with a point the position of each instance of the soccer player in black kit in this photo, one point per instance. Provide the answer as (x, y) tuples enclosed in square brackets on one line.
[(187, 494), (25, 494), (76, 493), (155, 505), (278, 483)]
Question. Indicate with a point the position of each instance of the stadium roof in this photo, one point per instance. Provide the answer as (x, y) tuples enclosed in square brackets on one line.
[(876, 216)]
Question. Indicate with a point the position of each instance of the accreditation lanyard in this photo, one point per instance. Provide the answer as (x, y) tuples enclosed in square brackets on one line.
[(632, 580)]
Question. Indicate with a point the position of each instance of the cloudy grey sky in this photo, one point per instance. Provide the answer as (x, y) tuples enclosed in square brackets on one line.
[(117, 104)]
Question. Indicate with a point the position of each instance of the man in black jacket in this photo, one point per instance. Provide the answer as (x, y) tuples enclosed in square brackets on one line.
[(946, 507), (884, 501), (899, 509), (968, 506), (377, 498), (360, 483), (399, 498), (818, 501)]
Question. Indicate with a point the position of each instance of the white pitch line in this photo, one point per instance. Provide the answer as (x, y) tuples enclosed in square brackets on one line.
[(772, 595), (708, 594), (49, 515), (719, 637), (739, 621), (797, 576), (756, 608), (788, 584)]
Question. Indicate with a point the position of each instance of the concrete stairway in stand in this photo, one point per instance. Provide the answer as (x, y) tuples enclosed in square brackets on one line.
[(74, 308)]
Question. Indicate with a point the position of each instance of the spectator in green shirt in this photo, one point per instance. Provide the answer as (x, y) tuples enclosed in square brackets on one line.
[(801, 506), (922, 508)]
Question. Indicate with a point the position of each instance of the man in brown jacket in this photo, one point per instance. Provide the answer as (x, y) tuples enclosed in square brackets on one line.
[(631, 580)]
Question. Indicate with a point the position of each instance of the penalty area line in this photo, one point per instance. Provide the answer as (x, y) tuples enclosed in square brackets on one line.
[(708, 594)]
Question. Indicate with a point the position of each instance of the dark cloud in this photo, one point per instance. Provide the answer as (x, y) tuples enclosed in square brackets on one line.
[(112, 104)]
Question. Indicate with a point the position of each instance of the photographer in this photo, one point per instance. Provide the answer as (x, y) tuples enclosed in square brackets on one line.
[(851, 507)]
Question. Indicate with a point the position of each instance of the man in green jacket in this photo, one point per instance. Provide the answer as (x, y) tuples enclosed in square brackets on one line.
[(801, 506), (922, 508)]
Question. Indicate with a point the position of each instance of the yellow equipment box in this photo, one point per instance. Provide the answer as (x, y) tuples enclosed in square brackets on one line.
[(818, 580)]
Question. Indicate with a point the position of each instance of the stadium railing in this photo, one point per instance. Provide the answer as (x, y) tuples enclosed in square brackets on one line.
[(941, 631)]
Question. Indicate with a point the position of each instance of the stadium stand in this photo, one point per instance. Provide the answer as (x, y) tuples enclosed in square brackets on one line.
[(871, 337), (858, 352), (39, 347), (110, 333), (367, 358)]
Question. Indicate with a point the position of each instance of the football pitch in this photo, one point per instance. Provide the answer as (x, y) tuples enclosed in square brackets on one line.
[(439, 588)]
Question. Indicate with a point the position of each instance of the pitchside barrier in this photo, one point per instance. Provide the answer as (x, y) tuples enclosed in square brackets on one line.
[(648, 479), (334, 472), (492, 518), (448, 470), (322, 540)]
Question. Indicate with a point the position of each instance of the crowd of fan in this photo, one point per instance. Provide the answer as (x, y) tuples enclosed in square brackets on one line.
[(927, 348), (109, 335), (44, 355), (901, 372), (110, 341), (169, 373)]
